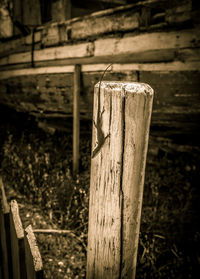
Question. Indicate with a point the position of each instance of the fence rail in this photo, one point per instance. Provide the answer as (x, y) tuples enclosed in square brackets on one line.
[(19, 254)]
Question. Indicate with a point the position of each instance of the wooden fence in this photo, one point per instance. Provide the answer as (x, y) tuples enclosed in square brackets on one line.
[(19, 254)]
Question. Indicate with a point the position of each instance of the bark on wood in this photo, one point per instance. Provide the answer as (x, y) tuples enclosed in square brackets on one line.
[(117, 177)]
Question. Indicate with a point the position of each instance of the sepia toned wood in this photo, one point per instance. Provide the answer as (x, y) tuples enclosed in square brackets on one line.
[(17, 15), (17, 243), (34, 264), (31, 12), (96, 25), (48, 96), (141, 16), (148, 47), (5, 235), (3, 247), (5, 205), (146, 42), (76, 118), (67, 9), (68, 51), (192, 57), (117, 178)]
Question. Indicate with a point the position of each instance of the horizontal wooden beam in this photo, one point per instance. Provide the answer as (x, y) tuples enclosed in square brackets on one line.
[(162, 14), (69, 51), (156, 46), (168, 66)]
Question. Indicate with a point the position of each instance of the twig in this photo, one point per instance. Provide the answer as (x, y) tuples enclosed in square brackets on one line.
[(54, 231)]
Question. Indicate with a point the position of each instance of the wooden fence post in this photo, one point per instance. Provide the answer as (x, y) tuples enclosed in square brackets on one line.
[(17, 243), (34, 264), (117, 179)]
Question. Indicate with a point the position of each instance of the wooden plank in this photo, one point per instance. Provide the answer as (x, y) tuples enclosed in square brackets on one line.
[(33, 258), (168, 66), (7, 243), (50, 36), (5, 206), (95, 26), (17, 243), (179, 13), (3, 248), (121, 19), (69, 51), (117, 177), (157, 46), (76, 118), (175, 92), (146, 42), (5, 238)]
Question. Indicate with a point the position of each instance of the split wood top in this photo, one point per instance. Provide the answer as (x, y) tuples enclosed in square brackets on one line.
[(132, 87)]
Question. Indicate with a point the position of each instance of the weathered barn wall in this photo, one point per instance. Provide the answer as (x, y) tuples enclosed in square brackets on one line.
[(157, 42)]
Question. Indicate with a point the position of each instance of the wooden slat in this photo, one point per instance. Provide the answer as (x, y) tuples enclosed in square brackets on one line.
[(3, 248), (5, 238), (148, 47), (5, 206), (17, 243), (116, 67), (33, 258)]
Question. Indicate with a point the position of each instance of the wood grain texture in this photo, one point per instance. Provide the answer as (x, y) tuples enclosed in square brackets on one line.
[(148, 47), (117, 176)]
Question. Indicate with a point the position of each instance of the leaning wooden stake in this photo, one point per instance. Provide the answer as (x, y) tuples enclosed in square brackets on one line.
[(117, 179), (76, 119)]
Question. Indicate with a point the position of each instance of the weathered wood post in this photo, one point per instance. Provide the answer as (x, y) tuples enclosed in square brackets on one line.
[(117, 178), (76, 118)]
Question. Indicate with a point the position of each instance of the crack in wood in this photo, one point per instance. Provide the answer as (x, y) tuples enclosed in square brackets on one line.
[(121, 193)]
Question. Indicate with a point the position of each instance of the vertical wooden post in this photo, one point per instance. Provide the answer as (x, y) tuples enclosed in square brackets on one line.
[(76, 119), (117, 178), (68, 9), (34, 264), (5, 238), (17, 243)]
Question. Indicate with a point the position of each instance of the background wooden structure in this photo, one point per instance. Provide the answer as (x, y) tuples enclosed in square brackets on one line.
[(148, 41)]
